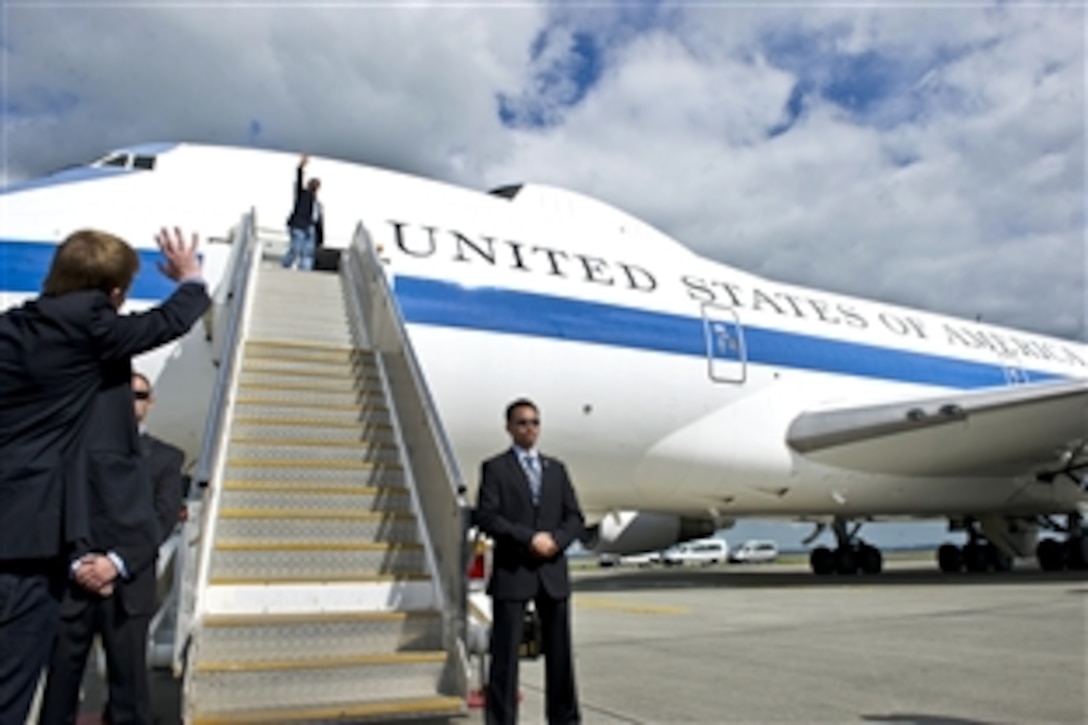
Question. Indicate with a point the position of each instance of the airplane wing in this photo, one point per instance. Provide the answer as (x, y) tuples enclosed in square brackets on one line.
[(1032, 428)]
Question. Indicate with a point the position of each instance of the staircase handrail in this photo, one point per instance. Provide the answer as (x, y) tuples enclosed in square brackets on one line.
[(443, 517), (210, 465)]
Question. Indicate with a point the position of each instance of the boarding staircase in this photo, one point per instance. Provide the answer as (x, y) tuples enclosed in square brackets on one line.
[(329, 548)]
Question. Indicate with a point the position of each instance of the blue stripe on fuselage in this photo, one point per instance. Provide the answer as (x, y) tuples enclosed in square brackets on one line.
[(23, 266), (434, 302)]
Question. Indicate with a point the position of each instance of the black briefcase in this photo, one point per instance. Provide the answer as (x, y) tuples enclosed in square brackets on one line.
[(327, 260), (532, 643)]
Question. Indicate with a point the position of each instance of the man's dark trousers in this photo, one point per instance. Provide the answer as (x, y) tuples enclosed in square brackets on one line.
[(30, 593), (124, 638), (508, 618)]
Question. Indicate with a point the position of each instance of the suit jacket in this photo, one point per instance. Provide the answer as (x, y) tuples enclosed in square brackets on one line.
[(52, 356), (505, 511), (164, 463)]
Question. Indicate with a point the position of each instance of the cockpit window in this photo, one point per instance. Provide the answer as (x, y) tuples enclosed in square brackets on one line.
[(116, 160), (144, 162), (506, 192)]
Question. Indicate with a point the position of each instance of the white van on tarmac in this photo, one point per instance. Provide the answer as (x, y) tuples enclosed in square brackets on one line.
[(755, 551), (700, 551)]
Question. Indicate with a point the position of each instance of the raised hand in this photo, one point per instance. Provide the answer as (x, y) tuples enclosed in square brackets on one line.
[(181, 258)]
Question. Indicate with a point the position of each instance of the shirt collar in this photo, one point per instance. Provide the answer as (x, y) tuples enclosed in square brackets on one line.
[(522, 452)]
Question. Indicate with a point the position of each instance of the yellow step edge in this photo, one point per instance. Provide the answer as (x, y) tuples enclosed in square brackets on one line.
[(309, 373), (338, 464), (258, 356), (304, 490), (311, 442), (362, 577), (324, 663), (257, 351), (308, 422), (288, 403), (305, 388), (390, 708), (326, 383), (315, 346), (316, 514), (280, 620), (314, 546)]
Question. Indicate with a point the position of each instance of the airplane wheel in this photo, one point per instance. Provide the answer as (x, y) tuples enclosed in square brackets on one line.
[(870, 558), (1051, 555), (976, 558), (846, 560), (950, 558), (821, 560), (1076, 552)]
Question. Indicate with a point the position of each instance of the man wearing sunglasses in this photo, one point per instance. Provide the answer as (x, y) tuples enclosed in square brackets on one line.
[(164, 461), (528, 506)]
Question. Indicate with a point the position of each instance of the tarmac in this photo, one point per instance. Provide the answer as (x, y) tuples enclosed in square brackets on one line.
[(776, 644)]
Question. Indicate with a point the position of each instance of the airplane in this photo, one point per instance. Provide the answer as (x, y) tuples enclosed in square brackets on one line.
[(683, 393)]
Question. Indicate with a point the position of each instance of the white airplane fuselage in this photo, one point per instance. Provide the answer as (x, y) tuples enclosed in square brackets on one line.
[(666, 380)]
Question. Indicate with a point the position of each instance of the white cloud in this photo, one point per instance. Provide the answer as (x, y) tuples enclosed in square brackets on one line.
[(955, 183), (979, 221)]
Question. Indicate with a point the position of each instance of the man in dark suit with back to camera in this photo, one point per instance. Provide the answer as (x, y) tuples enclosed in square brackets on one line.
[(528, 506), (135, 496), (57, 353)]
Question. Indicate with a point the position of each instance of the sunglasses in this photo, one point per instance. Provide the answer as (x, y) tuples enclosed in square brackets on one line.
[(141, 394), (528, 421)]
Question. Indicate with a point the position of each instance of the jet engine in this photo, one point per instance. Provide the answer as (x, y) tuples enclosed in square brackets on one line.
[(630, 532)]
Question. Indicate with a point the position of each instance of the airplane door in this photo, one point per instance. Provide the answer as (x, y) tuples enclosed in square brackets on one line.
[(725, 351)]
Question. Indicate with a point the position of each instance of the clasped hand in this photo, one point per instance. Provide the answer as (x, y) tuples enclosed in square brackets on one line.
[(543, 545), (96, 573)]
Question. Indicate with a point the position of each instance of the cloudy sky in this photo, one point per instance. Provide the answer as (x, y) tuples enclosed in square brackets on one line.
[(931, 154)]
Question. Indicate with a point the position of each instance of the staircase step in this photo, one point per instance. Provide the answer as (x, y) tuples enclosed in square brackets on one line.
[(309, 368), (227, 688), (315, 526), (283, 637), (317, 452), (305, 381), (276, 561), (294, 284), (302, 331), (378, 475), (308, 396), (285, 428), (379, 710), (257, 349), (292, 496), (374, 411)]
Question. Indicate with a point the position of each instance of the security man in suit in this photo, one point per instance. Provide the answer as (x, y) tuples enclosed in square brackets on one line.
[(528, 506), (134, 509), (164, 461), (56, 353)]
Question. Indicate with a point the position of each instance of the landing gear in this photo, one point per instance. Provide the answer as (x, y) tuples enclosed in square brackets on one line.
[(850, 556), (977, 556), (1056, 555)]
